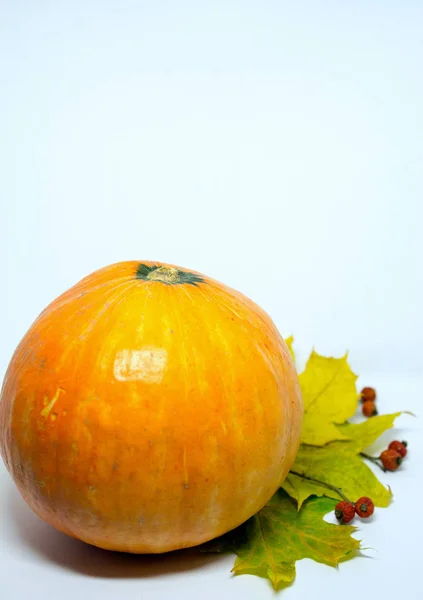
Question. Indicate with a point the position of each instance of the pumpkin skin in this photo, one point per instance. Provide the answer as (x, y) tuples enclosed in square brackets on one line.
[(149, 409)]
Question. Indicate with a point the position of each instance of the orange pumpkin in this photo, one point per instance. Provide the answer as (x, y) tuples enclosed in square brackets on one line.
[(149, 408)]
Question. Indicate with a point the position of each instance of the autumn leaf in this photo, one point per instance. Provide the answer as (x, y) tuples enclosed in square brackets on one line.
[(270, 543), (329, 464), (366, 433), (339, 464), (300, 489), (329, 397), (289, 342)]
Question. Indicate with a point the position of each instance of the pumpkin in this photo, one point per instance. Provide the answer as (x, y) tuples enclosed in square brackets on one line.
[(149, 408)]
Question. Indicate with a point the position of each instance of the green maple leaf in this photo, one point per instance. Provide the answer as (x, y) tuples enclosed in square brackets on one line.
[(339, 464), (329, 398), (270, 543)]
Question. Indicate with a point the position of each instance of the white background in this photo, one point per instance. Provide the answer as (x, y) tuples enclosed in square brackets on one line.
[(276, 146)]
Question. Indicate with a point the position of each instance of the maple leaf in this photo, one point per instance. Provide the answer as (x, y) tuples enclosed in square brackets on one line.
[(366, 433), (329, 398), (289, 341), (270, 543), (329, 461), (339, 464)]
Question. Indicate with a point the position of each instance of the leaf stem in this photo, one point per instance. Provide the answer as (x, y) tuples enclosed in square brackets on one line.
[(374, 460), (323, 483)]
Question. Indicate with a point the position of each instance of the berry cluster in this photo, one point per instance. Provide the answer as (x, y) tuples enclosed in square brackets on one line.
[(392, 457), (389, 460), (368, 399), (345, 511)]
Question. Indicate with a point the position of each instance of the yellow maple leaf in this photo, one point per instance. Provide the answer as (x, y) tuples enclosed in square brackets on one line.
[(289, 341), (340, 464), (329, 465), (364, 434), (329, 396)]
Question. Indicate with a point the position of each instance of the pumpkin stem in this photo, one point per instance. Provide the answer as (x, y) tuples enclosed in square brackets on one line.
[(168, 275), (165, 274)]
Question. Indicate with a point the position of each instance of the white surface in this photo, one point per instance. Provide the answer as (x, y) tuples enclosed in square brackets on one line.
[(273, 145), (40, 563)]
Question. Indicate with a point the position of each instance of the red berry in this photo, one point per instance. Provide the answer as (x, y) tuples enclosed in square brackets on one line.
[(369, 409), (400, 447), (391, 459), (368, 394), (345, 511), (364, 507)]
